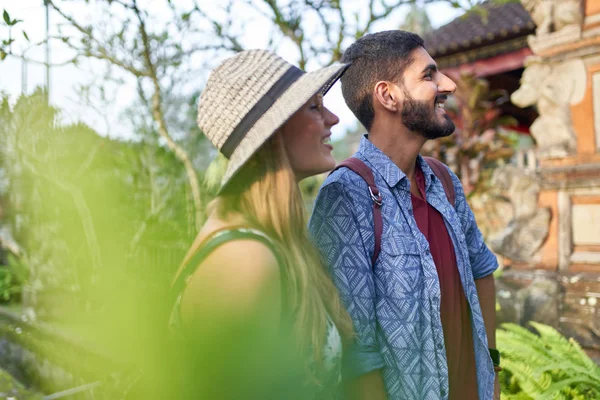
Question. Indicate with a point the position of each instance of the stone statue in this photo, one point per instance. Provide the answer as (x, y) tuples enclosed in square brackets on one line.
[(529, 225), (553, 88), (553, 15)]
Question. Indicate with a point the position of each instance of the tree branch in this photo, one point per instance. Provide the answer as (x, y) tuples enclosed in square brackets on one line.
[(158, 116)]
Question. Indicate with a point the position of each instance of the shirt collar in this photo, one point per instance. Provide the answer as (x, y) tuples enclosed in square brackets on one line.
[(387, 168)]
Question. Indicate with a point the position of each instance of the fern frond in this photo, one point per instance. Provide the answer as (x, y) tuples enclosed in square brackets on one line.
[(523, 373), (519, 330), (547, 365), (556, 388), (561, 347), (587, 361), (518, 348), (517, 396), (570, 369), (514, 336)]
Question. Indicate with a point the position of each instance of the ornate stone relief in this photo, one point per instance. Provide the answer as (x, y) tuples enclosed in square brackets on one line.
[(528, 228), (557, 21), (552, 87), (553, 15)]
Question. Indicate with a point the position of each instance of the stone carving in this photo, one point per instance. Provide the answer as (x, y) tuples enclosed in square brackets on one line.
[(539, 301), (528, 228), (553, 15), (553, 88)]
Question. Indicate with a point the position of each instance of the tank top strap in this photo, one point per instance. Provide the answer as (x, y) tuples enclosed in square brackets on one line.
[(206, 248)]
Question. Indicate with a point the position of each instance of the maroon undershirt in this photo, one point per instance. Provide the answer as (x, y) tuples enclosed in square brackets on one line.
[(454, 308)]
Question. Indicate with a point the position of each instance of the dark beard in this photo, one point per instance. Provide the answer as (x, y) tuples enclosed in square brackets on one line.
[(420, 117)]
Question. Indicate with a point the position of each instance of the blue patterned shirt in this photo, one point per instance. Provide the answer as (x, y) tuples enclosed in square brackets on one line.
[(395, 305)]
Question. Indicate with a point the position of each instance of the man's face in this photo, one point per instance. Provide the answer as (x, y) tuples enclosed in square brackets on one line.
[(422, 117), (424, 91)]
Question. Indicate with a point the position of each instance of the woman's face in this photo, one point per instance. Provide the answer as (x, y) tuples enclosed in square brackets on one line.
[(306, 138)]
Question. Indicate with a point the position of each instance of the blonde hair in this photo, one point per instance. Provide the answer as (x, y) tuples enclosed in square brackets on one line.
[(266, 194)]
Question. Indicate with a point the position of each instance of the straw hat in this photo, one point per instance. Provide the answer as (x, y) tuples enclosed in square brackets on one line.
[(249, 96)]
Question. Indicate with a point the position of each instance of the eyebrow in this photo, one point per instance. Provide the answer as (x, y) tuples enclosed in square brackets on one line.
[(429, 68)]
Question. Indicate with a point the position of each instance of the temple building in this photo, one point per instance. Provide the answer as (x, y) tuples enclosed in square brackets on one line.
[(546, 55)]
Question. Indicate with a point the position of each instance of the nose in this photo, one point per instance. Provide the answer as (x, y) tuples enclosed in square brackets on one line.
[(446, 85), (330, 118)]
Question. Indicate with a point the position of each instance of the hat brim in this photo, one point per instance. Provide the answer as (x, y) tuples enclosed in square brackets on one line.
[(298, 94)]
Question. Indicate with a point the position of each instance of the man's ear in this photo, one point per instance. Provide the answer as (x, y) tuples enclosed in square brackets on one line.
[(384, 95)]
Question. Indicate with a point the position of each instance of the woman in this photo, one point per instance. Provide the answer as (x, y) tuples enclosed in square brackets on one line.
[(252, 286)]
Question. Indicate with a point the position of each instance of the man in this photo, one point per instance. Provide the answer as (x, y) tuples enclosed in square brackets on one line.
[(424, 313)]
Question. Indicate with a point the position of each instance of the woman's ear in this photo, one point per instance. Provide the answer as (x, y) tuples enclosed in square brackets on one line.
[(384, 95)]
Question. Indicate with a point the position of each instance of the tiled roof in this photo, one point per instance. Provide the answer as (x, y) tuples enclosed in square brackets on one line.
[(504, 22)]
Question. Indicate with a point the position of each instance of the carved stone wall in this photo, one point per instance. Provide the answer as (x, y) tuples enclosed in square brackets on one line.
[(528, 228), (559, 283), (552, 87)]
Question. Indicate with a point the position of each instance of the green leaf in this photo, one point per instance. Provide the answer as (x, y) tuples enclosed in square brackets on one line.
[(26, 37), (2, 55), (6, 17)]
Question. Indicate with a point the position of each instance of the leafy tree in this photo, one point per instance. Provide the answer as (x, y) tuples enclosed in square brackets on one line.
[(6, 44), (91, 214), (417, 21), (160, 50)]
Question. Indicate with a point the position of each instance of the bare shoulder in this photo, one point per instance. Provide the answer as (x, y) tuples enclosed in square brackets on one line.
[(242, 258), (239, 276)]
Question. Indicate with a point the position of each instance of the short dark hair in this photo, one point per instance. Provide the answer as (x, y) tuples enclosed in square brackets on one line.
[(375, 57)]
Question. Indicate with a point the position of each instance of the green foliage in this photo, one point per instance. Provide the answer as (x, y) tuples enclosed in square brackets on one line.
[(8, 21), (13, 275), (11, 388), (5, 45), (545, 365), (103, 224)]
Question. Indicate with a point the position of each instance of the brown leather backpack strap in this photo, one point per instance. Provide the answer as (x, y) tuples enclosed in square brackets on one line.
[(440, 170), (360, 168)]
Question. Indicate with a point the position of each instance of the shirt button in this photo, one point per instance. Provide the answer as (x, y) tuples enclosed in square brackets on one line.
[(443, 392), (427, 252), (440, 346)]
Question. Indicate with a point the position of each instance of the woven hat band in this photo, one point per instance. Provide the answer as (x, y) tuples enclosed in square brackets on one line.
[(282, 84)]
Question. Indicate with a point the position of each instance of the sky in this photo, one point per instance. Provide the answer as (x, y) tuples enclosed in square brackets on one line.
[(109, 120)]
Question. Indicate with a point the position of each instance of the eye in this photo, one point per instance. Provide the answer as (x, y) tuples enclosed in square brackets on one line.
[(428, 76), (317, 104)]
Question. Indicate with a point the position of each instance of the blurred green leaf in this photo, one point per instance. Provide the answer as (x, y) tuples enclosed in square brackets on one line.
[(6, 17)]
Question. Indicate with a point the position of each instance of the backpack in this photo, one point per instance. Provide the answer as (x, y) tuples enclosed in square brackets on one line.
[(360, 168)]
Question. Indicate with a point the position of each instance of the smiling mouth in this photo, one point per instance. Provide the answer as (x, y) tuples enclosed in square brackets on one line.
[(326, 140), (440, 100)]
